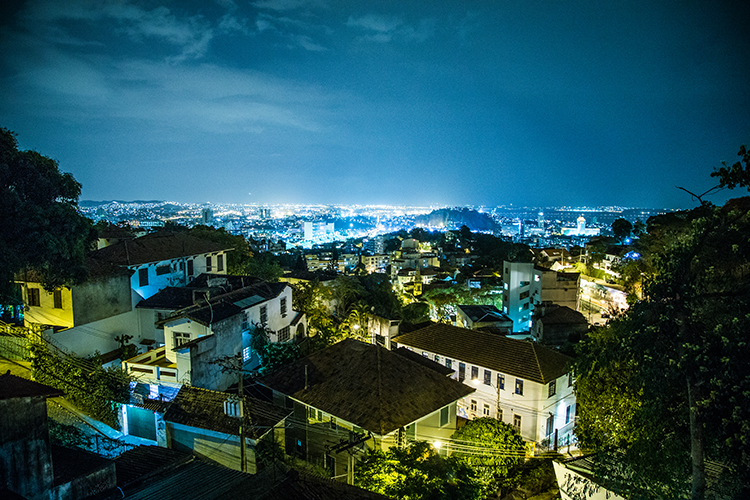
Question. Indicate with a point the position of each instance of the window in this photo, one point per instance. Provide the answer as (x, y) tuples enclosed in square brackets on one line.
[(219, 263), (162, 270), (143, 277), (525, 283), (208, 264), (425, 354), (190, 268), (437, 358), (34, 297), (550, 424), (283, 307), (473, 406), (333, 423), (500, 381), (444, 416), (551, 388), (246, 353), (570, 379), (474, 372), (245, 323), (181, 338), (284, 334), (461, 372), (499, 415), (567, 414), (517, 423), (524, 295), (487, 377), (486, 410), (57, 298), (448, 363), (519, 387), (263, 315), (537, 277), (526, 306)]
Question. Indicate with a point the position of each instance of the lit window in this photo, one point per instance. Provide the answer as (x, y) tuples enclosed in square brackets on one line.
[(448, 363), (500, 381), (519, 387), (246, 353)]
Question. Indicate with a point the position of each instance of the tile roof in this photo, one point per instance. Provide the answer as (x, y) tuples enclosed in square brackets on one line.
[(204, 409), (223, 301), (72, 463), (519, 358), (144, 461), (155, 247), (12, 386), (367, 385), (480, 313), (200, 480)]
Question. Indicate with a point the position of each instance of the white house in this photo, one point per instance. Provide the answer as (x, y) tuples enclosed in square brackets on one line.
[(216, 322), (519, 382)]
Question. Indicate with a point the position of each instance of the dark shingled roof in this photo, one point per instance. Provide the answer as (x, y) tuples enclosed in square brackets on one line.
[(367, 385), (200, 480), (72, 463), (155, 247), (12, 386), (424, 361), (204, 409), (483, 313), (563, 315), (519, 358), (144, 461), (225, 302)]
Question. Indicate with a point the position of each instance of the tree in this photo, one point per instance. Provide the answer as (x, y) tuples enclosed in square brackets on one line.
[(41, 229), (622, 228), (680, 357), (239, 260), (493, 448), (736, 175), (416, 472)]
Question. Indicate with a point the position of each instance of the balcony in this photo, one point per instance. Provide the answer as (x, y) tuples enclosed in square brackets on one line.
[(152, 367)]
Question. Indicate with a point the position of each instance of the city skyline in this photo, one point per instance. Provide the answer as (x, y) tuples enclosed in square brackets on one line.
[(326, 102)]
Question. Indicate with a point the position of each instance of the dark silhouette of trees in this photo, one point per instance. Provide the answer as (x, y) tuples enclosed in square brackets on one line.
[(41, 228)]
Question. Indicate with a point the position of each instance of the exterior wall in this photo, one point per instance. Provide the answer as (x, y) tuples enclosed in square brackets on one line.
[(558, 290), (177, 274), (520, 291), (575, 486), (99, 299), (323, 431), (375, 263), (225, 341), (533, 406), (46, 313), (181, 326), (223, 449), (94, 483), (25, 461), (276, 320), (382, 330)]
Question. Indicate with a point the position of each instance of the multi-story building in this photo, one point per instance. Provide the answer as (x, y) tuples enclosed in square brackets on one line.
[(526, 285), (521, 383)]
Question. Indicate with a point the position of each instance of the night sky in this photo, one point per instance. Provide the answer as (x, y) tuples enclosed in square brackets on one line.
[(534, 103)]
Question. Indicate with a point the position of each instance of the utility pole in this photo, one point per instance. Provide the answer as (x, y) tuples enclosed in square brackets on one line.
[(243, 466)]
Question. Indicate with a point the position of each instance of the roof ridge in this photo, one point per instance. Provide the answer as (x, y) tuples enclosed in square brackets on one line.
[(538, 364)]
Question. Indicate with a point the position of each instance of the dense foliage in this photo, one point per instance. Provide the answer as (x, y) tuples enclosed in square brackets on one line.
[(416, 472), (663, 389), (41, 228), (94, 389), (493, 448)]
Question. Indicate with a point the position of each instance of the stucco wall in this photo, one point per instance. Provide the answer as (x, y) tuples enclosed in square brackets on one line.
[(227, 341), (25, 462), (101, 298)]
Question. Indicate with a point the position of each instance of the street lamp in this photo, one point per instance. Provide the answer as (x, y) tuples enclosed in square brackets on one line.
[(478, 383)]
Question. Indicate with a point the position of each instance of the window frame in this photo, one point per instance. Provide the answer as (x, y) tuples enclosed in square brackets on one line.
[(57, 299), (519, 387), (517, 422), (34, 297), (142, 277), (500, 381), (552, 388)]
